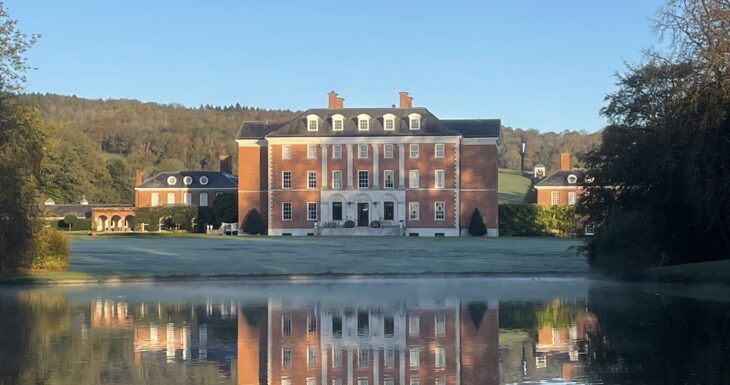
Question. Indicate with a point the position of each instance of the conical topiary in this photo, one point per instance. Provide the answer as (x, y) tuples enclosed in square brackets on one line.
[(253, 223), (477, 227)]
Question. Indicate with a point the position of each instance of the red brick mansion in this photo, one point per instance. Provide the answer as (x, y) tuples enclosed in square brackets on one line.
[(369, 171)]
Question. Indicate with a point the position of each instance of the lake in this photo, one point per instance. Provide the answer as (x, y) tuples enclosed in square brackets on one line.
[(370, 331)]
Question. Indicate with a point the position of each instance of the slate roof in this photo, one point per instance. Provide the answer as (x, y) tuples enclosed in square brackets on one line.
[(257, 130), (476, 128), (430, 125), (79, 210), (560, 178), (216, 179)]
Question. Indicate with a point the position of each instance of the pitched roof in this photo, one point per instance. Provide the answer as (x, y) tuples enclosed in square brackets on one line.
[(257, 130), (476, 128), (79, 210), (216, 179), (560, 178), (430, 124)]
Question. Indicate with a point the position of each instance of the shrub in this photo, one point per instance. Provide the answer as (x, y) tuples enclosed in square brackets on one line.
[(47, 249), (477, 227), (253, 223), (349, 224), (70, 221), (525, 219)]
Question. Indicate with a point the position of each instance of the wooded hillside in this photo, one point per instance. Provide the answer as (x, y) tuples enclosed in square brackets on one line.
[(97, 144)]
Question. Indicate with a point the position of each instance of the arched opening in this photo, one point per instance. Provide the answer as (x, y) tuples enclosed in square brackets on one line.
[(116, 223), (129, 223), (166, 224), (101, 223)]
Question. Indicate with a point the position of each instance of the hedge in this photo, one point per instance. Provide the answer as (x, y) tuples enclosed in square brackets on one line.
[(525, 219)]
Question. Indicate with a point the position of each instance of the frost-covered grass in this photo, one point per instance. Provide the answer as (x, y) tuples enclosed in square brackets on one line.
[(147, 256)]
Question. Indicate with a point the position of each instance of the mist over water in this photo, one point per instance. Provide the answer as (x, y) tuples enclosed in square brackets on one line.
[(439, 331)]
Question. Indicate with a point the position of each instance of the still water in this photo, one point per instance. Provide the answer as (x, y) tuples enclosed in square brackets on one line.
[(435, 331)]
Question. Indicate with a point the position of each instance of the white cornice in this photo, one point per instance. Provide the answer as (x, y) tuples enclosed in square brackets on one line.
[(171, 189), (478, 141), (251, 142), (364, 139)]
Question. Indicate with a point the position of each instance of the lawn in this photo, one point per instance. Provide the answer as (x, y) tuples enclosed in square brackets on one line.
[(512, 187), (715, 271), (109, 257)]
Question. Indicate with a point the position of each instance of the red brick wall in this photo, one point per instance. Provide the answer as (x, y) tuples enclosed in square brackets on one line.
[(426, 200), (479, 172), (252, 181), (144, 197), (299, 201), (298, 341), (427, 342), (544, 195)]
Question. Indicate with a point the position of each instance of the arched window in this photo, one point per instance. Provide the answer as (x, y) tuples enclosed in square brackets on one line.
[(312, 122), (389, 122), (338, 122), (414, 121), (363, 122)]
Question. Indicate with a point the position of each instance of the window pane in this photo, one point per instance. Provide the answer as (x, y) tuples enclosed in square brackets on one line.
[(286, 151), (440, 179), (388, 178), (414, 151), (362, 179), (337, 179), (388, 151), (414, 325), (286, 211), (286, 179), (311, 151), (440, 150), (203, 199), (362, 151), (389, 211), (413, 211), (311, 211), (337, 151), (413, 179), (312, 179)]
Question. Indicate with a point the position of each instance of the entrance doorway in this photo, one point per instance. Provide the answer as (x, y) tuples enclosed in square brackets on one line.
[(362, 214)]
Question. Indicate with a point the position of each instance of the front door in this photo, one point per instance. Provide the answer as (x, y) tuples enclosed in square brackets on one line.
[(362, 214)]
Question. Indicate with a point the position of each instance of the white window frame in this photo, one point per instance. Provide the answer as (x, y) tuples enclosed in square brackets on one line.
[(367, 182), (414, 178), (388, 358), (363, 122), (311, 357), (388, 151), (414, 358), (440, 325), (414, 381), (154, 199), (436, 211), (283, 211), (414, 118), (439, 354), (336, 182), (311, 179), (385, 178), (311, 151), (203, 199), (571, 198), (286, 151), (171, 201), (310, 212), (284, 179), (413, 151), (187, 198), (336, 151), (363, 353), (389, 118), (414, 320), (285, 381), (439, 179), (337, 118), (336, 358), (311, 381), (554, 198), (284, 362), (362, 154), (439, 150), (312, 123)]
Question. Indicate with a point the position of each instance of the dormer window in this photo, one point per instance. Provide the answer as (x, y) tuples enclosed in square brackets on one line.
[(389, 122), (171, 180), (414, 121), (312, 123), (572, 179), (363, 122), (338, 122)]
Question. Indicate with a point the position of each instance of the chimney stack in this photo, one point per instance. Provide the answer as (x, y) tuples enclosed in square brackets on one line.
[(137, 177), (225, 163), (334, 102), (405, 100), (565, 161)]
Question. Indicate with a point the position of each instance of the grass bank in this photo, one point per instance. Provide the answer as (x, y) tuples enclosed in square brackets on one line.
[(715, 271), (152, 257)]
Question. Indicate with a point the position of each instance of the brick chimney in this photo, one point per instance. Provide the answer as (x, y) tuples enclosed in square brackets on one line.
[(137, 177), (405, 100), (334, 102), (565, 161), (225, 163)]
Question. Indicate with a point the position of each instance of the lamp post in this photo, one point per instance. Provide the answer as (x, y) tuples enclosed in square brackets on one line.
[(523, 149)]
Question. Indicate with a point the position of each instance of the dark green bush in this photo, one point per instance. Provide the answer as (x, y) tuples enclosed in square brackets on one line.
[(253, 223), (477, 227), (349, 224), (624, 243)]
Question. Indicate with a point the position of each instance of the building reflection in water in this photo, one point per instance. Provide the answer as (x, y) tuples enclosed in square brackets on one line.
[(441, 342)]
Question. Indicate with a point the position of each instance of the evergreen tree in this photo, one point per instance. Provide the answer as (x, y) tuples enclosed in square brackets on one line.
[(477, 227)]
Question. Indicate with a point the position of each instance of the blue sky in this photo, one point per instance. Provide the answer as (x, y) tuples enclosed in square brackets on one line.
[(534, 64)]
